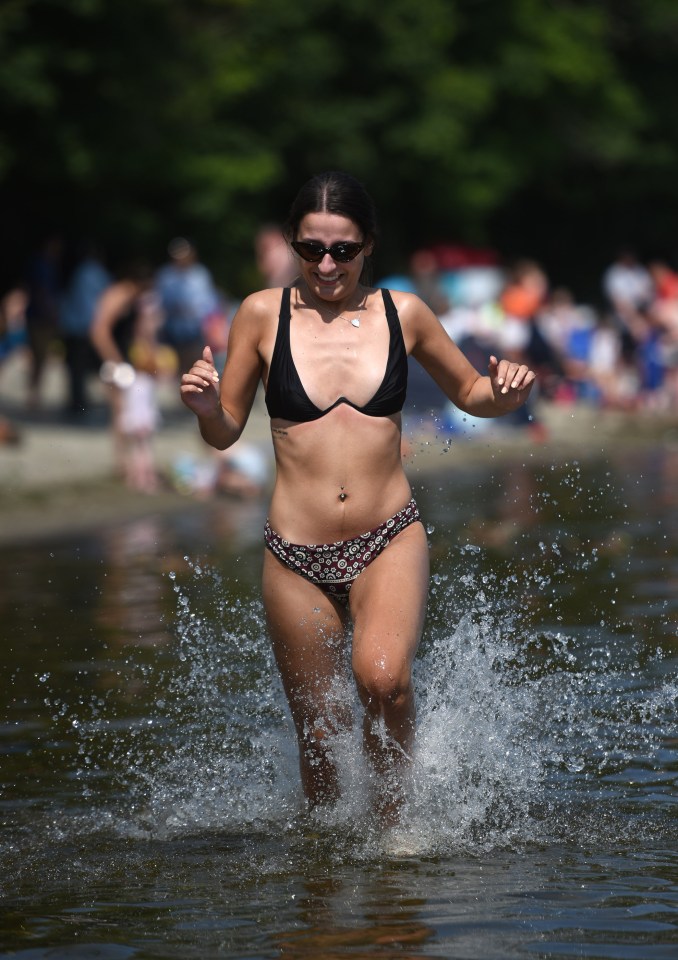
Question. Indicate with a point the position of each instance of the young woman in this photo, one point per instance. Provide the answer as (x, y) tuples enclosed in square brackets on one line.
[(344, 541)]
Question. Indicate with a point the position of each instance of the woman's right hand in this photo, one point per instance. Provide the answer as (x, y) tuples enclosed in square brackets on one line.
[(200, 387)]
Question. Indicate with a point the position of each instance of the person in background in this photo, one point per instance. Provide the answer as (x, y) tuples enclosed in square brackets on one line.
[(43, 286), (12, 338), (124, 334), (88, 281), (139, 410), (589, 350), (629, 291), (426, 277), (521, 300), (275, 262), (664, 316), (188, 299), (346, 554), (520, 338)]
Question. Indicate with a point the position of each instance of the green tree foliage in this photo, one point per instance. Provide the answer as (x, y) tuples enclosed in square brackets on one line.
[(526, 123)]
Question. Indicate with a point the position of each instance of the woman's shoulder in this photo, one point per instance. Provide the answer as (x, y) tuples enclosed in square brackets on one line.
[(257, 315), (401, 297), (261, 305), (410, 307), (262, 299), (417, 321)]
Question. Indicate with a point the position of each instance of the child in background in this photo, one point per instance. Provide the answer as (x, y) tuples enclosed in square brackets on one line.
[(139, 414), (125, 333)]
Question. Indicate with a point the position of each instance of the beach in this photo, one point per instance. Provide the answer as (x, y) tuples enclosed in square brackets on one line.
[(60, 476)]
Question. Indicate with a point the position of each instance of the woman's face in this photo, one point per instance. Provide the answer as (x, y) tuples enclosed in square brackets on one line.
[(330, 279)]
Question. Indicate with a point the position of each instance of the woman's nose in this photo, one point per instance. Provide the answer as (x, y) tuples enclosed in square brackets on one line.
[(327, 264)]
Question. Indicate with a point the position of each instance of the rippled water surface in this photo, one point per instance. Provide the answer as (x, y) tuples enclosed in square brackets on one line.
[(149, 788)]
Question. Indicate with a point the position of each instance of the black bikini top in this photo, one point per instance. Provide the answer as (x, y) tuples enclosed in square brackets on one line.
[(285, 394)]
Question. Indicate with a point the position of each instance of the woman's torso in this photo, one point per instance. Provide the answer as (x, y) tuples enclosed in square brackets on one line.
[(339, 470)]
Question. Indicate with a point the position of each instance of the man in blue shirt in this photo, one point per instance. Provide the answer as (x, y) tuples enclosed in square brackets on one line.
[(188, 297), (78, 304)]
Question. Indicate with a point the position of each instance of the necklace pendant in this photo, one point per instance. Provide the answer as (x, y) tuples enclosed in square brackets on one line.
[(355, 322)]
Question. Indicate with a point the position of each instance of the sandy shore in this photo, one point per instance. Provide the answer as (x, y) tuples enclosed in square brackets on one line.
[(60, 477)]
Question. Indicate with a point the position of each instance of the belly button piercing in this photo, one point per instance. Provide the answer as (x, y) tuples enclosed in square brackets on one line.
[(342, 495)]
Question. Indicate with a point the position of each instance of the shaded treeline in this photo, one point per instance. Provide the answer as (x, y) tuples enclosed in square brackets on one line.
[(539, 127)]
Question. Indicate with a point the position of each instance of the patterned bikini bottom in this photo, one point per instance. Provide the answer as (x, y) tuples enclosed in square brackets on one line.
[(334, 566)]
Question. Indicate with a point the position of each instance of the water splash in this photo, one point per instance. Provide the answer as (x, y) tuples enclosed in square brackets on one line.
[(219, 749), (517, 728)]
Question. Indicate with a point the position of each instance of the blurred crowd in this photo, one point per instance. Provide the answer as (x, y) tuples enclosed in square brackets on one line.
[(142, 324), (621, 353), (131, 329)]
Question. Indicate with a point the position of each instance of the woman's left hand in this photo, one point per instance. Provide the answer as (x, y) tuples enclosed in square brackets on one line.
[(511, 383)]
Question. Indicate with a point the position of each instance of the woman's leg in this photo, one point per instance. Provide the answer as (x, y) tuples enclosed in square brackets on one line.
[(388, 605), (308, 634)]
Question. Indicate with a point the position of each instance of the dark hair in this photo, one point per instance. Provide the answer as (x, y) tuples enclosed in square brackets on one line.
[(338, 193)]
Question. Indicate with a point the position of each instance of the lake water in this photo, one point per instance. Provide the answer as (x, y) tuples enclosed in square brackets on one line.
[(149, 788)]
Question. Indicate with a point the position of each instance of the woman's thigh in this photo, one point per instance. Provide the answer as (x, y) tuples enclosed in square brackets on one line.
[(388, 605), (308, 633)]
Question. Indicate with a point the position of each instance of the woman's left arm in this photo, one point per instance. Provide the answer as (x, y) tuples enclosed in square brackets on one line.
[(505, 388)]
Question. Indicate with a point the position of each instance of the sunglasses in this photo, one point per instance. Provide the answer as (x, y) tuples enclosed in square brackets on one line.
[(313, 251)]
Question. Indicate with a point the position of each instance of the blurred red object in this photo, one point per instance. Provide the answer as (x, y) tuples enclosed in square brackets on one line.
[(456, 256)]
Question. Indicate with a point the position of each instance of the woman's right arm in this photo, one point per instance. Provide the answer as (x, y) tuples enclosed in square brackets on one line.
[(223, 410)]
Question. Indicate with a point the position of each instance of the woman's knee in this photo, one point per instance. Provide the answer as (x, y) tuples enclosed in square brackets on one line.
[(381, 685)]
